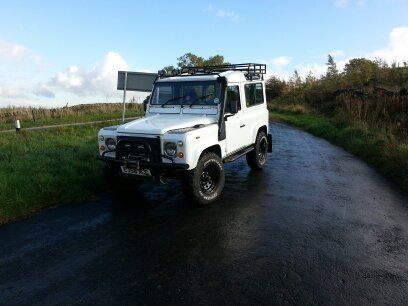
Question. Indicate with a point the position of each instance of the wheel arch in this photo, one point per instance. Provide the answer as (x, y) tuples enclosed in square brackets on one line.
[(255, 131), (214, 149), (202, 149), (263, 128)]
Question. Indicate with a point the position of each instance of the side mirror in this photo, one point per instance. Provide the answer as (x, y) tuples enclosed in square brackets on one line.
[(233, 107), (145, 101)]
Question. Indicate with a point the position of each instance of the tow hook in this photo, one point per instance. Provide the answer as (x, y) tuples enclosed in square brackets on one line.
[(161, 179)]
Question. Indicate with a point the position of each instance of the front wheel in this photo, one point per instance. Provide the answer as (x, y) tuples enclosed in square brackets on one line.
[(256, 159), (205, 183)]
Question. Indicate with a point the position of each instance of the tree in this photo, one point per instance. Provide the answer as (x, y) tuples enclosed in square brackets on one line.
[(361, 71), (192, 60), (295, 81), (169, 68), (310, 78), (215, 60), (331, 67), (274, 88)]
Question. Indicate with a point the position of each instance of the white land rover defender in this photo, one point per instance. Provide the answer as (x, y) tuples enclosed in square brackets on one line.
[(196, 119)]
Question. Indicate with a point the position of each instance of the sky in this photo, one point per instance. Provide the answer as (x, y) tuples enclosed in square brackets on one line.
[(54, 53)]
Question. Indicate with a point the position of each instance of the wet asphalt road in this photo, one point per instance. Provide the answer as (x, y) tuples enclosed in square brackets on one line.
[(317, 226)]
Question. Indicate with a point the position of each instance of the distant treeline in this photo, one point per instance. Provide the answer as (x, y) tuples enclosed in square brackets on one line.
[(372, 93)]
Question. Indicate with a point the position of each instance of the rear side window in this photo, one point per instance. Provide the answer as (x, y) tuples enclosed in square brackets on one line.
[(233, 95), (254, 94)]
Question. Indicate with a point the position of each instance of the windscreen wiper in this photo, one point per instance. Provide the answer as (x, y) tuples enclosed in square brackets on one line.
[(171, 100), (198, 99)]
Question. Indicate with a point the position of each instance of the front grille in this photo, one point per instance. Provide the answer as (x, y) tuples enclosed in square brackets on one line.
[(137, 148)]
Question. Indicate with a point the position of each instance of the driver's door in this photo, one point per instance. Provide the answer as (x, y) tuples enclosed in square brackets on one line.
[(234, 124)]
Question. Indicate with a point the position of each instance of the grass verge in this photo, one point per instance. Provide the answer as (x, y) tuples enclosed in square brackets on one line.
[(46, 167), (378, 149)]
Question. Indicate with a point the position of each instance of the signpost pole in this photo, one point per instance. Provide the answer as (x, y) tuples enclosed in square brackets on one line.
[(124, 98)]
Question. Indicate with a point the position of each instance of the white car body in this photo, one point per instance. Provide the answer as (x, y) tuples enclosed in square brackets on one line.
[(196, 129)]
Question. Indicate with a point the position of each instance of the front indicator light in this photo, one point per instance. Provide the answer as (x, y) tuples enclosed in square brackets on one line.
[(180, 155), (102, 148)]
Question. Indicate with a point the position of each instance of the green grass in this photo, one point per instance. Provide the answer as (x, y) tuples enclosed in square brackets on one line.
[(40, 168), (71, 118), (380, 150)]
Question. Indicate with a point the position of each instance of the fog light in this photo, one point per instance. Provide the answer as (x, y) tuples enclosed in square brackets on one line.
[(180, 155)]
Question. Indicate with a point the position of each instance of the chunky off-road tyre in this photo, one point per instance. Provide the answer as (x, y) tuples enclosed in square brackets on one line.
[(205, 183), (256, 159), (118, 183)]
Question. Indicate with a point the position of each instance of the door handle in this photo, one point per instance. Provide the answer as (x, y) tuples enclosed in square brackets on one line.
[(242, 125)]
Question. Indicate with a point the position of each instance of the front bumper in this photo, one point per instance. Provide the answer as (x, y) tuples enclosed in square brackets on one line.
[(143, 164)]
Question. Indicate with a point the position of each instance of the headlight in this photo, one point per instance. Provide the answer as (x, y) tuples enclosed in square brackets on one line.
[(170, 148), (101, 138), (110, 144)]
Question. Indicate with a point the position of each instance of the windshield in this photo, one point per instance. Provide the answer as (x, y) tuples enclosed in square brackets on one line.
[(186, 93)]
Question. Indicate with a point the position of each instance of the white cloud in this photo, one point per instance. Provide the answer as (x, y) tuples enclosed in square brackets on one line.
[(100, 81), (228, 14), (221, 13), (341, 2), (397, 48), (316, 69), (43, 91), (12, 51), (12, 91), (209, 8), (15, 52), (281, 61), (337, 53)]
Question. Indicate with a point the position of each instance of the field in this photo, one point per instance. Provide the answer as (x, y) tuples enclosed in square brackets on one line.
[(73, 114), (46, 167)]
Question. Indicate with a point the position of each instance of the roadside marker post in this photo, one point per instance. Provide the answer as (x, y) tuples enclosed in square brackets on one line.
[(18, 126), (124, 98)]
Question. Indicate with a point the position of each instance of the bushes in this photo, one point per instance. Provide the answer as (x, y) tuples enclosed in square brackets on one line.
[(370, 93)]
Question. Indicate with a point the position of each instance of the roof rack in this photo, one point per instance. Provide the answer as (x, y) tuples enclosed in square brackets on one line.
[(251, 70)]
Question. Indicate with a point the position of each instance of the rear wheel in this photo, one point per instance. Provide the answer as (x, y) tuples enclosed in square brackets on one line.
[(205, 183), (256, 159)]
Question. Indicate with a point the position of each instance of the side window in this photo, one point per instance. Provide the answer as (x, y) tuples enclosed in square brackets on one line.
[(233, 95), (254, 94)]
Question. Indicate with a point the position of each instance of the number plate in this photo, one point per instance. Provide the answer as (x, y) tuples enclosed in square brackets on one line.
[(134, 171)]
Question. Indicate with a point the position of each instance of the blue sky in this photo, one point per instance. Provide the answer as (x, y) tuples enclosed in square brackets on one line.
[(53, 52)]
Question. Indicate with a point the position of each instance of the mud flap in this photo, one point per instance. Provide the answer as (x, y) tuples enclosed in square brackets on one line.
[(269, 142)]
